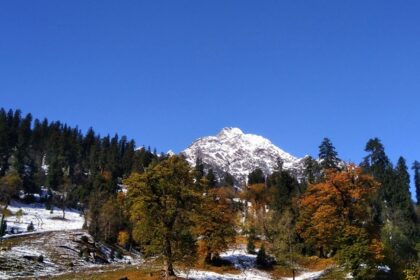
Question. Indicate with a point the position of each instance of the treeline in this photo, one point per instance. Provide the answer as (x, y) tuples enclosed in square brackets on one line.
[(72, 165)]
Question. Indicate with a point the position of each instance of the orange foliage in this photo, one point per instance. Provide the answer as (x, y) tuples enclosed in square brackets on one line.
[(257, 194), (123, 238), (336, 207), (216, 223)]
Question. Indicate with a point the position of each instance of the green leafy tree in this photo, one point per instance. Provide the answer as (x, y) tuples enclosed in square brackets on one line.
[(285, 244), (110, 220), (163, 201), (9, 186)]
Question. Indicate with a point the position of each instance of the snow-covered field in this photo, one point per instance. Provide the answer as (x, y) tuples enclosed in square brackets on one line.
[(246, 264), (42, 219), (312, 275)]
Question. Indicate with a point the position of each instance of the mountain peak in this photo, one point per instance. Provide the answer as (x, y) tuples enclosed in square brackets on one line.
[(238, 153), (230, 131)]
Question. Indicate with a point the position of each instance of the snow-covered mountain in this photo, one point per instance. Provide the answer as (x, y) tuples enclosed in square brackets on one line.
[(238, 153)]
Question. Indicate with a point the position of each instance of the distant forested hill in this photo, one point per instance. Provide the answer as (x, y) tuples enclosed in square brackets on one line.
[(60, 157)]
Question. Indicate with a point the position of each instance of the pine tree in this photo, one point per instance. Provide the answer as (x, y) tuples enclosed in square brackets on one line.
[(393, 208), (256, 177), (312, 170), (328, 155), (30, 227), (198, 172), (283, 186), (401, 214), (416, 168), (376, 162), (211, 179), (262, 260), (228, 180), (402, 196), (4, 142), (380, 167), (250, 246)]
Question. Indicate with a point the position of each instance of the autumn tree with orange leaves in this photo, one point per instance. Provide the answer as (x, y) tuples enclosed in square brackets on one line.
[(258, 195), (215, 223), (334, 217)]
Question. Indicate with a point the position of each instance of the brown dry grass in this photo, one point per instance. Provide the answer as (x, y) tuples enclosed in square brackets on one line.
[(243, 240), (130, 273), (278, 272), (315, 263)]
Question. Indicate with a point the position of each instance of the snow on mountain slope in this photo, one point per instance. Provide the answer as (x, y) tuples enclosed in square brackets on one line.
[(238, 153)]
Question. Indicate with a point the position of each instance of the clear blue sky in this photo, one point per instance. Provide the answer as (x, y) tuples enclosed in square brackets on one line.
[(167, 72)]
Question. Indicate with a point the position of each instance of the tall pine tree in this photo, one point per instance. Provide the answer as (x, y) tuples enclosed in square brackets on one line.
[(328, 155), (416, 168), (393, 209)]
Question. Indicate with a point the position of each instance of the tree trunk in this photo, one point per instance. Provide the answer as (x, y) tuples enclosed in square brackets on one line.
[(321, 252), (3, 216), (169, 269), (208, 260)]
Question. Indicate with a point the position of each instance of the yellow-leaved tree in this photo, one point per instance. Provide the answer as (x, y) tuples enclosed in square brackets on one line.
[(163, 202)]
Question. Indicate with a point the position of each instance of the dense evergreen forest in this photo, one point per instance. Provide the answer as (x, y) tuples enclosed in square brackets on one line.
[(71, 165), (360, 216)]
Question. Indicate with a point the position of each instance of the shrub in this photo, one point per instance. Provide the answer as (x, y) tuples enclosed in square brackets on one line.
[(31, 227), (263, 260)]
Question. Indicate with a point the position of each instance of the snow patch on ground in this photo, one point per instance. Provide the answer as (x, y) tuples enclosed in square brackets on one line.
[(42, 219), (208, 275), (60, 251), (246, 264), (311, 275), (240, 259)]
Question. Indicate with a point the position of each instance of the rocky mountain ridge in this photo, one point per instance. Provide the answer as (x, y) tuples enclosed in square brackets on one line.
[(239, 153)]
